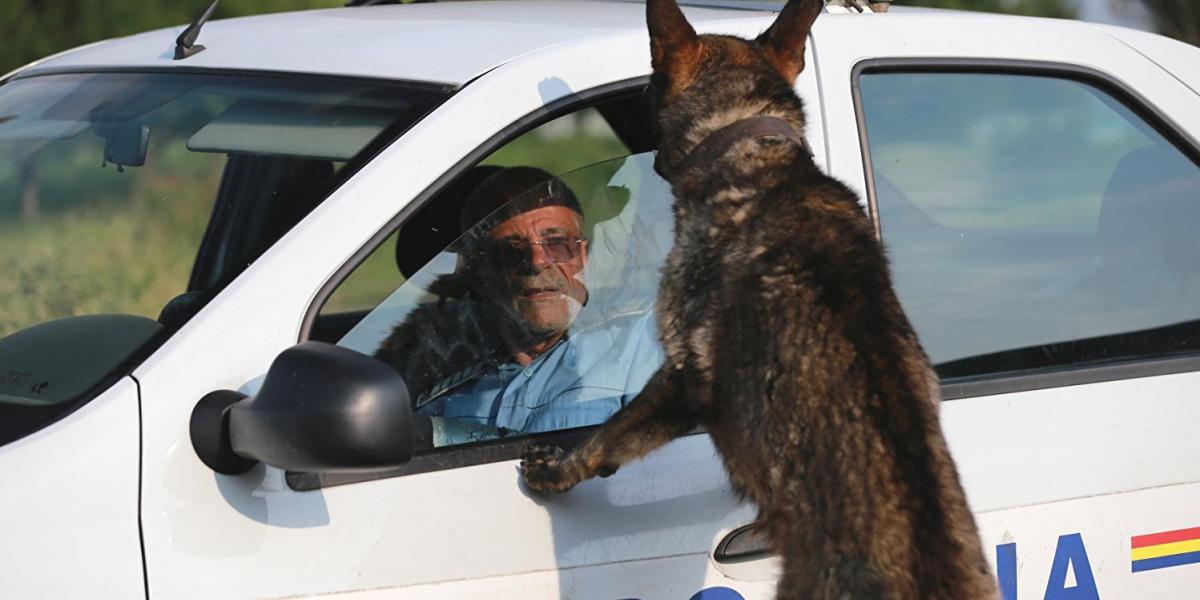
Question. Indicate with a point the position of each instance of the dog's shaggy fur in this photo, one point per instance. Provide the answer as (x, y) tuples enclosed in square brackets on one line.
[(785, 340)]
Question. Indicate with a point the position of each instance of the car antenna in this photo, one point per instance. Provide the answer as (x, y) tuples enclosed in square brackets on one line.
[(185, 44)]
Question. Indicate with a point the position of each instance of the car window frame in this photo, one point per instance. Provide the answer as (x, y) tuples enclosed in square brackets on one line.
[(1132, 100), (476, 453)]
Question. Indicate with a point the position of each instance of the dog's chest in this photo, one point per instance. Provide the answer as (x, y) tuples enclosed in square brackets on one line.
[(710, 254)]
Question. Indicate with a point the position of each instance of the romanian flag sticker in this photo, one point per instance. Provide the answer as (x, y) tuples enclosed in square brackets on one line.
[(1166, 549)]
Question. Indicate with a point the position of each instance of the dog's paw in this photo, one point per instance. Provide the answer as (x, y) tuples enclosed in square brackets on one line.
[(544, 469)]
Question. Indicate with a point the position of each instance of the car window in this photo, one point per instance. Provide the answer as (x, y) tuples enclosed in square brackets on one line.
[(564, 144), (127, 200), (540, 316), (1033, 223)]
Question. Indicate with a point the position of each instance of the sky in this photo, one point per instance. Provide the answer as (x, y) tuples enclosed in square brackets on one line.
[(1113, 12)]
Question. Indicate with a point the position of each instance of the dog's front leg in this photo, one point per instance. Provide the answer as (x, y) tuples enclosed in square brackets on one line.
[(656, 416)]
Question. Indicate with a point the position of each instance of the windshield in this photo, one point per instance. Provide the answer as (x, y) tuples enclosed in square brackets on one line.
[(127, 200)]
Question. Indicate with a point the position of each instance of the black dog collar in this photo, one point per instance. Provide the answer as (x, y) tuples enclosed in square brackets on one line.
[(719, 142)]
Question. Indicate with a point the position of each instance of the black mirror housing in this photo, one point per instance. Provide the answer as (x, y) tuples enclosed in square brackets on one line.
[(321, 409), (125, 143)]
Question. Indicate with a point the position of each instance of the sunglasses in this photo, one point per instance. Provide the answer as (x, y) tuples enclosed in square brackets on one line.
[(559, 249)]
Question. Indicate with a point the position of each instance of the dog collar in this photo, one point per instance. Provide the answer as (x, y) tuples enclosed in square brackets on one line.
[(719, 141)]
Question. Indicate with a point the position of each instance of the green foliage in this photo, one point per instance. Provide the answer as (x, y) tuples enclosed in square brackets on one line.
[(371, 282), (32, 29), (127, 249), (106, 269), (563, 146), (1036, 8)]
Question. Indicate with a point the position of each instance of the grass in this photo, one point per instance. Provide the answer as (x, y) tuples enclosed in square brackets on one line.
[(104, 242)]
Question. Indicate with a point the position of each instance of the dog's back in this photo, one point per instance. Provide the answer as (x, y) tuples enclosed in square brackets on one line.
[(777, 295), (821, 401)]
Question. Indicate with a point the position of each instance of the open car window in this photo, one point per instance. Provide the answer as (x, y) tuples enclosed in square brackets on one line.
[(459, 328), (604, 130)]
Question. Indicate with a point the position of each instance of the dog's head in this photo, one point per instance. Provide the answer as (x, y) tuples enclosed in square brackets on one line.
[(704, 82)]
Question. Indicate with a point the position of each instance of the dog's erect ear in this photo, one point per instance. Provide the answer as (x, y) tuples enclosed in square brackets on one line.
[(674, 46), (785, 40)]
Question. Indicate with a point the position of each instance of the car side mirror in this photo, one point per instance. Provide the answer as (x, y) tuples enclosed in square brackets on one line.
[(321, 409)]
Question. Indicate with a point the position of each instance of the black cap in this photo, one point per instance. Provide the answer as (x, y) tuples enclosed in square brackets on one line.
[(513, 191)]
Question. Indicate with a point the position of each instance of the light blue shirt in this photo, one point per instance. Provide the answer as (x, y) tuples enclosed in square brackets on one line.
[(583, 380)]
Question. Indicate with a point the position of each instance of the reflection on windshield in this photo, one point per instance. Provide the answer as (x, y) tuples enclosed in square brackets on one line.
[(1032, 222), (540, 317), (144, 194)]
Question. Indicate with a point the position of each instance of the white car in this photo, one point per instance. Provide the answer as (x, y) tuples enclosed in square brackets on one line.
[(300, 179)]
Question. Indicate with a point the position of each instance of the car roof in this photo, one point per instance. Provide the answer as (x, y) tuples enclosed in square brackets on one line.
[(447, 43)]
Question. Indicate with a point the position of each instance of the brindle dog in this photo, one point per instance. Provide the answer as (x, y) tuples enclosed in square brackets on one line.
[(784, 338)]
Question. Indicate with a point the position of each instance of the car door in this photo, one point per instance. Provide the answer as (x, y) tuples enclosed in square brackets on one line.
[(119, 172), (655, 522), (454, 522), (1038, 205), (72, 500)]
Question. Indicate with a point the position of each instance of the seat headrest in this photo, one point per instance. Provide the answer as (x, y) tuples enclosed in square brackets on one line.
[(1150, 210), (436, 225)]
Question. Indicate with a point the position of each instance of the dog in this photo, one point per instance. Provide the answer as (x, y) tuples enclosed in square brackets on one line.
[(784, 338)]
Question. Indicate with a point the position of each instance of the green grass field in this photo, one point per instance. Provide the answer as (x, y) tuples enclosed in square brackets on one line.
[(103, 241)]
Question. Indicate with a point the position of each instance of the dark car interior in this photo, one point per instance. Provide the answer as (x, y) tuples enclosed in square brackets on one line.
[(259, 200)]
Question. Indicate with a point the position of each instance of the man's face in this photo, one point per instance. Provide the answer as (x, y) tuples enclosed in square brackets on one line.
[(537, 268)]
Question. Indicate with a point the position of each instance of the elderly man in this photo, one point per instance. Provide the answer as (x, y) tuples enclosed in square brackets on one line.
[(501, 350)]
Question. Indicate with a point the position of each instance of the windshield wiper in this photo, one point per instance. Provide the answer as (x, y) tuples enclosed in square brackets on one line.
[(185, 44)]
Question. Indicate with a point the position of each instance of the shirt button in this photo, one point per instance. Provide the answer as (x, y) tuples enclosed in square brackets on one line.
[(528, 372)]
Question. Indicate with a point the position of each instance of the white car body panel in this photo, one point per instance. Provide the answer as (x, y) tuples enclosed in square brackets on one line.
[(1176, 57), (1081, 460), (1107, 461), (1098, 530), (437, 43), (70, 504), (1086, 440)]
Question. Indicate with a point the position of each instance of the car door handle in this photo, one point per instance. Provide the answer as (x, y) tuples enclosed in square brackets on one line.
[(748, 542)]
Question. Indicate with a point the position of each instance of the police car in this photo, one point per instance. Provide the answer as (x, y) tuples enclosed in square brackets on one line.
[(202, 204)]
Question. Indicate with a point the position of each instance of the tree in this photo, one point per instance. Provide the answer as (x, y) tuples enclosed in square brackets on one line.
[(1179, 19), (32, 29), (1036, 8)]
